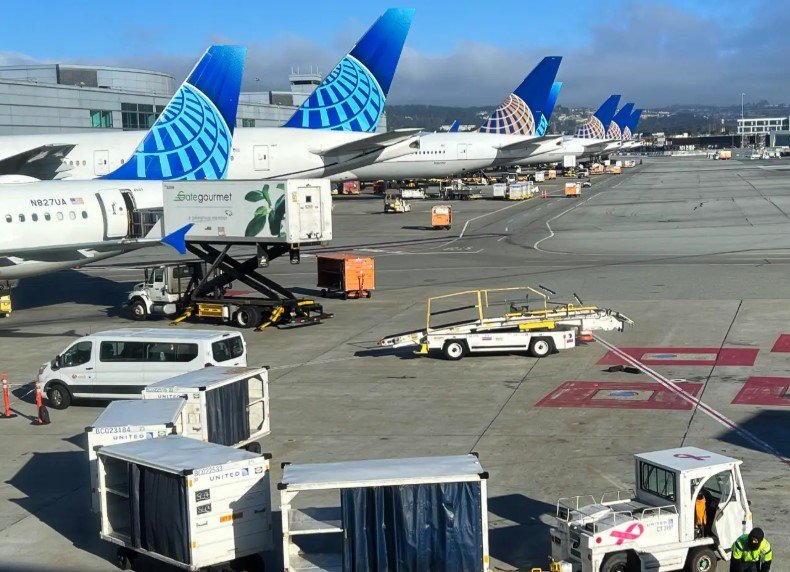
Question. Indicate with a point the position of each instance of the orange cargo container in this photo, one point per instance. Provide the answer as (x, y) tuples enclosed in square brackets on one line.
[(350, 187), (442, 216), (552, 174), (350, 275), (573, 190), (613, 170)]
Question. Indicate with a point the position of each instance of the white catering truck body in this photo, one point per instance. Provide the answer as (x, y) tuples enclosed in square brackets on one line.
[(224, 405), (295, 211), (188, 503), (124, 421)]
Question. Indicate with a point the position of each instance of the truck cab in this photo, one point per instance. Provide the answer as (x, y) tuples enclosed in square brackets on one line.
[(657, 526), (161, 290)]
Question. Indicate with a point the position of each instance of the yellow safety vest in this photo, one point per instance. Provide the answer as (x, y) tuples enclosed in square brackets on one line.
[(741, 551)]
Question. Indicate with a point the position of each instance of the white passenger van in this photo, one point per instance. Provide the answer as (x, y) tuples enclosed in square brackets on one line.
[(120, 363)]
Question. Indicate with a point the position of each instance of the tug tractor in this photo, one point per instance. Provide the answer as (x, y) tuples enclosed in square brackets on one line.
[(657, 527)]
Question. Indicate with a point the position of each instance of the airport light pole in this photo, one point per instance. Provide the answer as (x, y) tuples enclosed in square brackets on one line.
[(743, 127)]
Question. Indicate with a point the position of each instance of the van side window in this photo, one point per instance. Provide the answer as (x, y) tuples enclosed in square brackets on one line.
[(227, 349), (169, 352), (122, 351), (77, 354)]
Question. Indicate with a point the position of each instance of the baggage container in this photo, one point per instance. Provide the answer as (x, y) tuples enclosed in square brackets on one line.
[(442, 216), (350, 275), (125, 421), (184, 502), (412, 193), (499, 190), (540, 176), (552, 174), (350, 187), (573, 190), (224, 405), (436, 514)]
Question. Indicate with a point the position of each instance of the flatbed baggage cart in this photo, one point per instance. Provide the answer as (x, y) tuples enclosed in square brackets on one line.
[(188, 503), (125, 421), (224, 405), (429, 512), (350, 275)]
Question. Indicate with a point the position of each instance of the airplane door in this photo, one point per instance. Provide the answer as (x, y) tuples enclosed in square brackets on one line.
[(309, 211), (113, 210), (462, 151), (101, 162), (260, 157)]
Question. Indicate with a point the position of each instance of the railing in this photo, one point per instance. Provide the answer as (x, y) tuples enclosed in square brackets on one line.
[(622, 495)]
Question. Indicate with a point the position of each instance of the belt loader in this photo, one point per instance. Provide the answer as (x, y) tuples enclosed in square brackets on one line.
[(537, 331)]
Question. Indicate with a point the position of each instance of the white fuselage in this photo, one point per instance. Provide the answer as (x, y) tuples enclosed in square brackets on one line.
[(574, 146), (444, 155), (52, 225), (258, 152)]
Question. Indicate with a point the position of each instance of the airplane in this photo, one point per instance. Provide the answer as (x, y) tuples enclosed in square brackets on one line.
[(509, 133), (454, 127), (332, 131), (619, 122), (549, 108), (630, 130)]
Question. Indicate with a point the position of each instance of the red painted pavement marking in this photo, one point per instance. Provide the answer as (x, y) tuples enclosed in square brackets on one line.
[(782, 344), (726, 356), (698, 403), (628, 533), (764, 391), (583, 394)]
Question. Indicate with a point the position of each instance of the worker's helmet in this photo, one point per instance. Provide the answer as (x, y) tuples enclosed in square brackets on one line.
[(756, 536)]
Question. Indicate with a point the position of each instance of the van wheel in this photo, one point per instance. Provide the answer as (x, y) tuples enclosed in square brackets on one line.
[(702, 559), (247, 317), (58, 396), (454, 350), (139, 310), (539, 347)]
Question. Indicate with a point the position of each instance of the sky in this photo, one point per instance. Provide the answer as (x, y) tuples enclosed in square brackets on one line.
[(459, 52)]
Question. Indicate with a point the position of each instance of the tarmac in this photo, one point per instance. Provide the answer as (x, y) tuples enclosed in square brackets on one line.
[(695, 251)]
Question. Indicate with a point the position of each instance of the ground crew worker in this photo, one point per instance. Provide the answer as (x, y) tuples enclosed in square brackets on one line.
[(751, 553), (700, 515)]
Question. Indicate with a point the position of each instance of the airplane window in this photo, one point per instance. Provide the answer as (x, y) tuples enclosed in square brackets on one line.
[(46, 216), (8, 218), (60, 216), (83, 162), (34, 216), (122, 160), (21, 218), (84, 214), (72, 216)]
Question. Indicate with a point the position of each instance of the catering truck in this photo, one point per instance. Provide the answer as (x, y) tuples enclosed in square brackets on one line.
[(654, 527)]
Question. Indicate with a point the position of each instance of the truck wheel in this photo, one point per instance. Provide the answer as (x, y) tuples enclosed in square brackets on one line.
[(58, 396), (703, 559), (139, 310), (247, 317), (617, 562), (539, 347), (454, 350)]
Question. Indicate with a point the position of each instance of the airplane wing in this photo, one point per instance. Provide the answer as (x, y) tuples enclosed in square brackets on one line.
[(62, 252), (43, 162), (531, 144), (372, 144)]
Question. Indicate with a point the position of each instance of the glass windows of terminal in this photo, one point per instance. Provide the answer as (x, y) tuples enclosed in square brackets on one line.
[(139, 115), (101, 118)]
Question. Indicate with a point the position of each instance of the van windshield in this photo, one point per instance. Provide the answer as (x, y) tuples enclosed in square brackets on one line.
[(230, 348)]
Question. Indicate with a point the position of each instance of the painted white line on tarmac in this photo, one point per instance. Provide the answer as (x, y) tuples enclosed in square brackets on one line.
[(466, 224), (696, 402)]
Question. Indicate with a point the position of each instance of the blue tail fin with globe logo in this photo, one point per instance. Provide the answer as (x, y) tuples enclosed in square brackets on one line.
[(521, 113), (543, 124), (620, 121), (352, 96), (595, 127), (192, 138)]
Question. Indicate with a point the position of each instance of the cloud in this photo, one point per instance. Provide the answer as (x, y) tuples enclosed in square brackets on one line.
[(654, 53)]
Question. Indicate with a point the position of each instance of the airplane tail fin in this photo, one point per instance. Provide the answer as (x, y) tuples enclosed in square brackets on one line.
[(521, 111), (454, 127), (633, 122), (619, 122), (595, 127), (352, 96), (192, 137), (543, 125)]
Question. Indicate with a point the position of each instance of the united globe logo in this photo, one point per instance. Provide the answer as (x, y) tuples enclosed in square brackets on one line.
[(349, 99), (614, 131), (592, 129), (189, 141), (513, 116)]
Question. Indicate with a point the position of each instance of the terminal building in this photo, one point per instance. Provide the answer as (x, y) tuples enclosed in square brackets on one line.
[(60, 98), (765, 131)]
